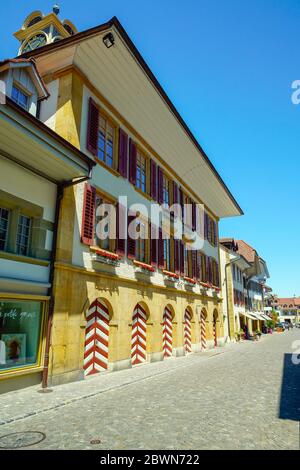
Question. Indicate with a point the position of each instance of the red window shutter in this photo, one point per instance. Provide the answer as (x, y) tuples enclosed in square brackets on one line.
[(206, 269), (181, 258), (216, 238), (198, 264), (123, 153), (181, 202), (194, 216), (131, 241), (194, 265), (160, 182), (175, 193), (176, 257), (93, 127), (153, 248), (88, 215), (160, 250), (153, 176), (121, 224), (132, 161)]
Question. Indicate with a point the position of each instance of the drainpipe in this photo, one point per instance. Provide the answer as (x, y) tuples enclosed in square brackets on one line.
[(60, 192)]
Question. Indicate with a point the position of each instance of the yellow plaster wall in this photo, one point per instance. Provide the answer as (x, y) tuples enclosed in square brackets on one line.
[(75, 290)]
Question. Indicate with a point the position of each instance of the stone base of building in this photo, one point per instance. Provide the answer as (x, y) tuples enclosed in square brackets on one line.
[(65, 378)]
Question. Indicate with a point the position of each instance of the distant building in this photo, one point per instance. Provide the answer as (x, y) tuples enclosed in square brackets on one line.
[(288, 308)]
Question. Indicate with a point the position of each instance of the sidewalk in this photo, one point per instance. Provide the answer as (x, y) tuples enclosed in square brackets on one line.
[(28, 402)]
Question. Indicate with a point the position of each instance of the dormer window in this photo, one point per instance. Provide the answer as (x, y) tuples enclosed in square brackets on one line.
[(19, 97)]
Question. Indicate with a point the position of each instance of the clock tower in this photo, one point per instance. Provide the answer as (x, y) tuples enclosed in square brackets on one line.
[(39, 29)]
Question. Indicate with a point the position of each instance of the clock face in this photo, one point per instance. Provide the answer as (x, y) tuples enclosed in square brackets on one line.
[(36, 41)]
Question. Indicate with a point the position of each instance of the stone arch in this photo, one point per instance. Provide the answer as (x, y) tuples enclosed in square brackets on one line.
[(97, 337), (140, 318), (168, 331)]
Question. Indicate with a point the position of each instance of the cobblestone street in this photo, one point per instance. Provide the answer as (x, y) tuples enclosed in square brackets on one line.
[(243, 396)]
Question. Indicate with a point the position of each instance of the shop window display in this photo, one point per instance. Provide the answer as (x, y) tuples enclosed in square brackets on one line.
[(20, 333)]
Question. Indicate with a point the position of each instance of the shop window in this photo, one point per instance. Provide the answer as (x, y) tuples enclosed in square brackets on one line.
[(4, 215), (23, 235), (141, 172), (106, 141), (20, 333), (19, 97)]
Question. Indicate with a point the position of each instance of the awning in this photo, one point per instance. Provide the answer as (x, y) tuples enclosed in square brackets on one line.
[(258, 316), (248, 315), (43, 151)]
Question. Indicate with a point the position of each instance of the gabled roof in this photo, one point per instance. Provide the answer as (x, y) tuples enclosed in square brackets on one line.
[(41, 87), (114, 23), (246, 251), (294, 301)]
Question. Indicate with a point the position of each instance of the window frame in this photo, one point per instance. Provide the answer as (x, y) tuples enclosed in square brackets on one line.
[(112, 242), (22, 235), (140, 154), (7, 228), (109, 121), (20, 89)]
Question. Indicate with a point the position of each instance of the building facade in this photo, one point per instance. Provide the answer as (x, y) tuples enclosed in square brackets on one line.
[(243, 275), (123, 301), (35, 165)]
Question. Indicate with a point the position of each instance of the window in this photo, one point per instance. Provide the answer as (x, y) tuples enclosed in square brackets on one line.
[(141, 172), (19, 97), (20, 333), (106, 141), (102, 235), (140, 247), (166, 193), (167, 254), (4, 214), (23, 235)]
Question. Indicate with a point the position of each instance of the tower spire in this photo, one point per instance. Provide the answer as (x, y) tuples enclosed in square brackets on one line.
[(56, 8)]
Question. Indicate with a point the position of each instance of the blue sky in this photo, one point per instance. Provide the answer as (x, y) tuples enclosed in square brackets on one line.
[(228, 67)]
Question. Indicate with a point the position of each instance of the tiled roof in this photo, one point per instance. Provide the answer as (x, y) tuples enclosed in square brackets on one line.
[(295, 301), (246, 251)]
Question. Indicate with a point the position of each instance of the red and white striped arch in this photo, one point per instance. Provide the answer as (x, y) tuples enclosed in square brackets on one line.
[(203, 330), (187, 332), (139, 336), (215, 329), (96, 338), (167, 333)]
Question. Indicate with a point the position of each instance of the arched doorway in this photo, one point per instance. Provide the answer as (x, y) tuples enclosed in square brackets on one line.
[(139, 336), (203, 317), (215, 332), (167, 333), (96, 338), (187, 331)]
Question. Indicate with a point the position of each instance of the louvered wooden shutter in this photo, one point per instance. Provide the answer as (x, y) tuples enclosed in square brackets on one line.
[(130, 241), (160, 182), (199, 266), (175, 193), (93, 127), (194, 265), (181, 258), (121, 225), (176, 256), (123, 153), (194, 215), (160, 250), (88, 215), (153, 178), (181, 202), (132, 161), (153, 247)]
